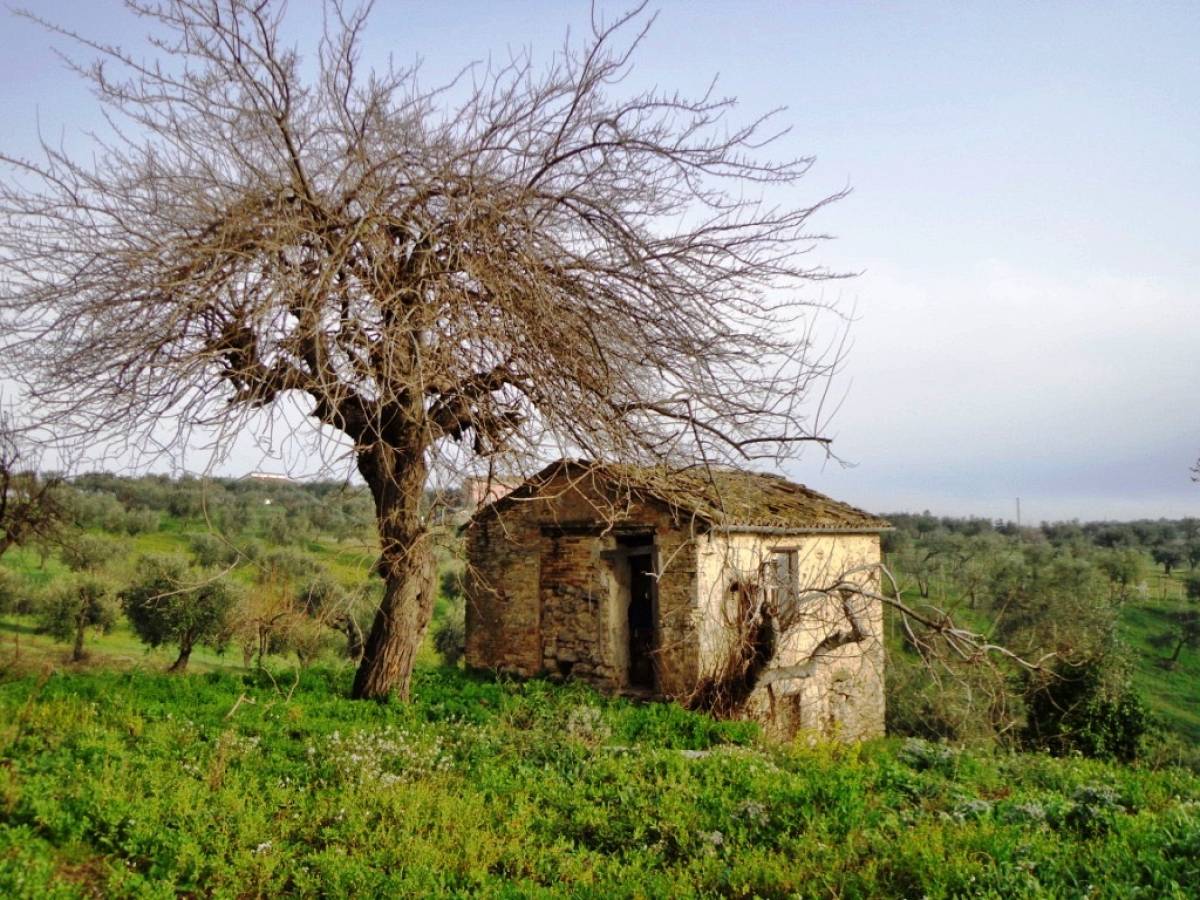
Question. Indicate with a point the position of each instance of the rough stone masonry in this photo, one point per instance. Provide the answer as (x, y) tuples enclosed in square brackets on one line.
[(629, 579)]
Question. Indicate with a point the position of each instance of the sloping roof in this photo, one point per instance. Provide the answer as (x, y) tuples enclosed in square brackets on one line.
[(724, 498)]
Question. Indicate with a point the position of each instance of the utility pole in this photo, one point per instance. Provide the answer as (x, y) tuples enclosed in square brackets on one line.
[(1018, 512)]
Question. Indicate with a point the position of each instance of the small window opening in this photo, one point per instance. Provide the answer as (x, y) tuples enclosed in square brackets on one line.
[(781, 578)]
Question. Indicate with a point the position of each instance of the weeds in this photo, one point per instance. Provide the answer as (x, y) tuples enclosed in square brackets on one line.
[(133, 784)]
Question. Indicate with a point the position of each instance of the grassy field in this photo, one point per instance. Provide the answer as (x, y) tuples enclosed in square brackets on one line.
[(23, 648), (21, 645), (140, 784), (119, 780), (1173, 693)]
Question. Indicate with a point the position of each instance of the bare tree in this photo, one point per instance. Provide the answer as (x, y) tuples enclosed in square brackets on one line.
[(522, 264)]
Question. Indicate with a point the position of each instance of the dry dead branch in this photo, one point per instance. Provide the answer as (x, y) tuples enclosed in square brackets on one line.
[(838, 615)]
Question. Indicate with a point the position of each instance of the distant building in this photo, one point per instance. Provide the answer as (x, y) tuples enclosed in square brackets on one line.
[(652, 582), (270, 477), (479, 490)]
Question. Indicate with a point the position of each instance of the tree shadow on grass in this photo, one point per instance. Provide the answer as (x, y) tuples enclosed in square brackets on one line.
[(7, 627)]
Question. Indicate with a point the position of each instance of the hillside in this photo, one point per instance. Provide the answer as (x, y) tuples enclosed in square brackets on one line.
[(278, 540), (1097, 589), (254, 776), (1172, 693)]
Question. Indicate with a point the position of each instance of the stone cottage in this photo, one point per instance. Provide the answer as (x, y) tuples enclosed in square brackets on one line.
[(668, 584)]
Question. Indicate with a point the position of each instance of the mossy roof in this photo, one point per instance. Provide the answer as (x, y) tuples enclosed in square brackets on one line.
[(723, 497)]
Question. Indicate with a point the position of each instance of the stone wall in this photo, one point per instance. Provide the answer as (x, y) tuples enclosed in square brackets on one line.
[(546, 592), (579, 594), (503, 612)]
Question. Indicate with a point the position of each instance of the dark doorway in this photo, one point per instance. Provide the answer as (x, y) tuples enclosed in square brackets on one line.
[(641, 620)]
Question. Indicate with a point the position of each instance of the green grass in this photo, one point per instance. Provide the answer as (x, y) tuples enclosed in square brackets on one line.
[(1173, 694), (348, 561), (118, 780), (22, 648), (38, 571), (138, 784)]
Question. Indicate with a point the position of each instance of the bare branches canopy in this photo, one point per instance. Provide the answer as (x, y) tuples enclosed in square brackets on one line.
[(527, 262)]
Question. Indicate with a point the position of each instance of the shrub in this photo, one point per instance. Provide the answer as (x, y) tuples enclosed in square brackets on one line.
[(321, 594), (286, 527), (321, 604), (1092, 710), (286, 565), (969, 708), (88, 552), (96, 509), (1191, 586), (252, 550), (308, 638), (212, 550), (141, 521), (450, 585), (927, 755), (450, 630), (1093, 810), (585, 725), (450, 641), (17, 596)]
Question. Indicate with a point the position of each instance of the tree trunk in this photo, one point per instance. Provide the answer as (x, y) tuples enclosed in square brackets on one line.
[(77, 652), (397, 482), (354, 638), (1178, 649), (180, 664)]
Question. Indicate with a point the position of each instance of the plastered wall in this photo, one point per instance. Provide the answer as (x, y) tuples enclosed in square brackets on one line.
[(843, 694)]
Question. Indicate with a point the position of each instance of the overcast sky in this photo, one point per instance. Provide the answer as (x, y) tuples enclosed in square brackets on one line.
[(1024, 216)]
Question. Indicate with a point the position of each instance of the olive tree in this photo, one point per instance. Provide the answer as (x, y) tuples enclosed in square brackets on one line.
[(172, 603), (90, 552), (73, 606), (1123, 568), (1169, 556), (534, 261), (1183, 633)]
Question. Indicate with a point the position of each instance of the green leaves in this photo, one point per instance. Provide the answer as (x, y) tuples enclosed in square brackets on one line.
[(75, 604), (170, 602)]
